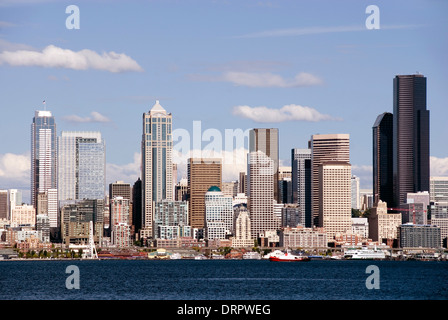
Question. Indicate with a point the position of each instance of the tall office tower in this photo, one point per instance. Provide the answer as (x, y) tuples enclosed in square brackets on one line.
[(266, 140), (4, 208), (410, 137), (218, 214), (157, 166), (325, 147), (43, 154), (356, 201), (261, 193), (301, 183), (438, 189), (335, 204), (81, 165), (383, 159), (137, 206), (202, 174)]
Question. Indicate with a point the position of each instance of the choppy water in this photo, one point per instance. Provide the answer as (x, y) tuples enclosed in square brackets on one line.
[(223, 280)]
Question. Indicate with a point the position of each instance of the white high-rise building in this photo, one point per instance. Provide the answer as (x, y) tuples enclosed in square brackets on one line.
[(53, 208), (335, 205), (43, 154), (157, 166), (81, 165), (218, 214), (438, 189), (261, 193), (355, 193)]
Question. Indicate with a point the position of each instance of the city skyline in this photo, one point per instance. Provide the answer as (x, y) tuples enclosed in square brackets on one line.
[(225, 89)]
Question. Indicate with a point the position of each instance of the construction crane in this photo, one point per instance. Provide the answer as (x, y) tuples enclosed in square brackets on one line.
[(402, 209)]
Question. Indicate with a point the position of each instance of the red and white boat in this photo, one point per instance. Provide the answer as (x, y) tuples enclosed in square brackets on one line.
[(287, 256)]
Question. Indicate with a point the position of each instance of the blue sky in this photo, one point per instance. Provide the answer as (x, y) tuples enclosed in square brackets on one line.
[(216, 62)]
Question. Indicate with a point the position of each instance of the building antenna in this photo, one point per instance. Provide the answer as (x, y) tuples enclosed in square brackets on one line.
[(45, 105)]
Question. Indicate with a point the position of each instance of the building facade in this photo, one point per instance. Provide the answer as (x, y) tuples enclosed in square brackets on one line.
[(410, 136), (202, 174), (261, 193), (335, 197), (81, 165), (218, 214), (383, 187), (266, 141), (325, 147), (43, 154), (157, 165)]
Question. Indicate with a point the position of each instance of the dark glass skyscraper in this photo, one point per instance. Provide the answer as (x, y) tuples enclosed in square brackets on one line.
[(410, 136), (383, 159)]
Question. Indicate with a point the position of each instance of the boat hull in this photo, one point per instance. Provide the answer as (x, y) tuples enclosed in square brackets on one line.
[(292, 259)]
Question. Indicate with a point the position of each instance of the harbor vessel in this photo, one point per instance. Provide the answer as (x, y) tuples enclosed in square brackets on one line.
[(364, 254), (287, 256)]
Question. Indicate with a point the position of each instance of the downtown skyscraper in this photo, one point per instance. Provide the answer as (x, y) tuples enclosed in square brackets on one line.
[(266, 141), (301, 182), (324, 148), (81, 165), (157, 166), (383, 187), (410, 136), (43, 154)]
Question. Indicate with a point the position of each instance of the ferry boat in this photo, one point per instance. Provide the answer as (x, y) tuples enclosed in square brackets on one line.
[(287, 256), (364, 254)]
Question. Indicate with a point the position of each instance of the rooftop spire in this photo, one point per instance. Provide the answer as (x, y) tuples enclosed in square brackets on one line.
[(157, 107)]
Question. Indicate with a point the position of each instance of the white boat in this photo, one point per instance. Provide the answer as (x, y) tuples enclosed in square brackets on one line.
[(274, 253), (364, 254), (175, 256), (252, 255), (200, 257), (288, 256)]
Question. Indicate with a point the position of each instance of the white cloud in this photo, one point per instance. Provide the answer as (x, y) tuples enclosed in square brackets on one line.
[(264, 80), (14, 170), (289, 112), (316, 30), (261, 79), (55, 57), (439, 166), (128, 173), (95, 117)]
